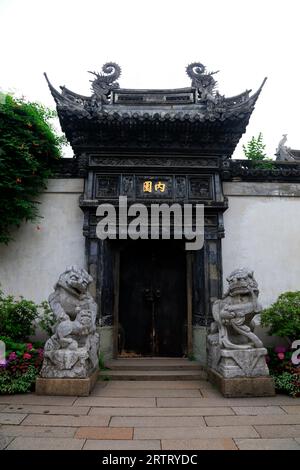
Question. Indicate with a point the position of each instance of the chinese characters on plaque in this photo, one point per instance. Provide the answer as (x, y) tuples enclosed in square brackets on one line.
[(150, 186)]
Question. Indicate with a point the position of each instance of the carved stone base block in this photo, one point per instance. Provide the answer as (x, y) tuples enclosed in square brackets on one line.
[(242, 386), (231, 363), (66, 386)]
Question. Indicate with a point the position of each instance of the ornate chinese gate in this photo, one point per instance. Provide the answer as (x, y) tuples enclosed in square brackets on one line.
[(154, 146)]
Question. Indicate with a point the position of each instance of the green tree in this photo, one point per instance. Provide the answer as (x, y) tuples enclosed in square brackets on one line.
[(283, 316), (29, 150), (254, 150)]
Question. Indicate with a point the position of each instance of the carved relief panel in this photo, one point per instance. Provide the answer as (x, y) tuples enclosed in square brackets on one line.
[(171, 187)]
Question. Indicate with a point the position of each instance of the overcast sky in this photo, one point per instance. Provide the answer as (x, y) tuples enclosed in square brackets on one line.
[(153, 41)]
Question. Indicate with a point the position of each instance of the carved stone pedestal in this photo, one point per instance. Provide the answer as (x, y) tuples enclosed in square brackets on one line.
[(242, 386), (66, 386), (240, 372), (231, 363)]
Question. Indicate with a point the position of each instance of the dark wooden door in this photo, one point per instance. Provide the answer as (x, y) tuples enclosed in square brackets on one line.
[(152, 308)]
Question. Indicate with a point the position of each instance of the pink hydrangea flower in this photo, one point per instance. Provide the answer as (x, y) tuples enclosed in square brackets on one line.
[(281, 356), (29, 346), (12, 356), (27, 356)]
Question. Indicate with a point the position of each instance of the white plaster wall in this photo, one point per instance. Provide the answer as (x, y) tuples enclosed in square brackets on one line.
[(262, 232), (30, 265)]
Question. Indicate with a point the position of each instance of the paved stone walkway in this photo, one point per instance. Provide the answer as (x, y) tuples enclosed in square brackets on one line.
[(149, 415)]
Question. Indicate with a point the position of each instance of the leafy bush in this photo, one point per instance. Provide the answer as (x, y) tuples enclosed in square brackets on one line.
[(286, 375), (18, 318), (22, 364), (29, 150), (19, 382), (283, 317), (46, 319), (23, 360), (288, 383), (255, 151)]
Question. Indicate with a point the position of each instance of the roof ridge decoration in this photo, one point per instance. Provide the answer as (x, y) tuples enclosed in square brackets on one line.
[(186, 116), (103, 85), (203, 81)]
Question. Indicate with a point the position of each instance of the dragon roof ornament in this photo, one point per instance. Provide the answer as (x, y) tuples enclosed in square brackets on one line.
[(203, 81), (105, 82)]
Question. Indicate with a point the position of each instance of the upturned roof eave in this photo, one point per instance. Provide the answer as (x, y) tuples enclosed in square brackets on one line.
[(242, 103)]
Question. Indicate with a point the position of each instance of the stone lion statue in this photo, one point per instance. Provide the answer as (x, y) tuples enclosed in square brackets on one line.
[(237, 313), (72, 350), (233, 349)]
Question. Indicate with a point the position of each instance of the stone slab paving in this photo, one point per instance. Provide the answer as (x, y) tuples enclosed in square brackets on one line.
[(179, 412), (292, 409), (252, 420), (37, 431), (12, 418), (199, 444), (208, 393), (132, 393), (32, 399), (104, 433), (44, 410), (201, 432), (156, 421), (43, 443), (120, 402), (122, 445), (258, 410), (267, 444), (149, 415), (156, 384), (61, 420), (221, 401), (4, 441), (279, 431)]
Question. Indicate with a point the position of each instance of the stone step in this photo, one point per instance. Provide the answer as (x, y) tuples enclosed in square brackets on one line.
[(153, 375), (153, 364)]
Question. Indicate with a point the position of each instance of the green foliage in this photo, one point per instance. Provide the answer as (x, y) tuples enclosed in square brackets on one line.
[(19, 382), (46, 319), (255, 148), (255, 151), (13, 346), (191, 357), (288, 383), (286, 375), (102, 368), (18, 318), (29, 150), (101, 362), (23, 360), (104, 378), (283, 317)]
